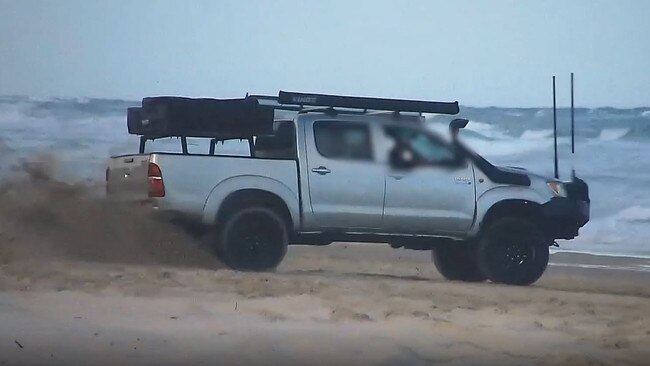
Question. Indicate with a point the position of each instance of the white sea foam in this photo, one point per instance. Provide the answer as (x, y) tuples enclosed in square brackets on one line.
[(624, 232), (536, 134), (611, 134), (635, 214), (487, 130), (508, 147)]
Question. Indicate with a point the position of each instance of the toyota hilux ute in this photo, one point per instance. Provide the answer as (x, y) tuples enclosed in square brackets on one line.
[(349, 169)]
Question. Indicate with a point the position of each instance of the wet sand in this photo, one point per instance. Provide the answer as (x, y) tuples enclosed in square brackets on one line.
[(341, 304)]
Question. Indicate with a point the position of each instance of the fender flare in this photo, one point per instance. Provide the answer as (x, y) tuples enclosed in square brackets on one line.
[(498, 196), (241, 182)]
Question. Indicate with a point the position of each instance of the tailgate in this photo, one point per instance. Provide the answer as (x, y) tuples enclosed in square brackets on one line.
[(126, 177)]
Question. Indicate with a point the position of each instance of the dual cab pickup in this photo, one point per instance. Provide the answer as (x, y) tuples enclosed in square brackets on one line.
[(338, 172)]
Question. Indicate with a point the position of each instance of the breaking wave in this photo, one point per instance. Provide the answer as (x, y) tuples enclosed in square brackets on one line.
[(537, 134), (622, 233), (486, 130), (635, 214), (611, 134)]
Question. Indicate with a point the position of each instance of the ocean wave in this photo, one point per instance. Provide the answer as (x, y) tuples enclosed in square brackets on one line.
[(638, 214), (645, 114), (488, 130), (536, 134), (611, 134), (475, 129), (510, 147), (622, 233)]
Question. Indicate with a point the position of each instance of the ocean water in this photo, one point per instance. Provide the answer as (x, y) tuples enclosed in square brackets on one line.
[(612, 153)]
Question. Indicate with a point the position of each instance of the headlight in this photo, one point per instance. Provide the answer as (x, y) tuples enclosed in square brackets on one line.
[(558, 188)]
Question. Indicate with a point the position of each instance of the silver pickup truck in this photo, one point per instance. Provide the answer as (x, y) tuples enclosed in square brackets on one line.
[(348, 169)]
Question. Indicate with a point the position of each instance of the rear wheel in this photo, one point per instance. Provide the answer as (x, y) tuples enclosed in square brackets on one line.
[(457, 262), (253, 239), (513, 251)]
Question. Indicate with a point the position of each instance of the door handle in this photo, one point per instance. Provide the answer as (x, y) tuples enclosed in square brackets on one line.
[(396, 177), (321, 170)]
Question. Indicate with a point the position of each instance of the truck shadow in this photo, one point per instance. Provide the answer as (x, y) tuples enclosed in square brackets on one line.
[(333, 273)]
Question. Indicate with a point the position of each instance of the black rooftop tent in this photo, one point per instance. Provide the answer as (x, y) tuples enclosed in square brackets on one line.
[(215, 118)]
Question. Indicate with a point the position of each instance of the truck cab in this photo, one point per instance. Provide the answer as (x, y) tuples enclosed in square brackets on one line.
[(383, 193), (353, 169)]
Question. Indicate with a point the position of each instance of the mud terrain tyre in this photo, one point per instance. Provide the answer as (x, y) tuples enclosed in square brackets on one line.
[(457, 262), (253, 239), (512, 251)]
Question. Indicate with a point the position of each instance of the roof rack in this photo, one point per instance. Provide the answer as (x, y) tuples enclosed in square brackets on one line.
[(168, 116), (366, 103), (272, 102)]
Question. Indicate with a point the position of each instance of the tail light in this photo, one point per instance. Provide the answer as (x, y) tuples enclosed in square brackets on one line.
[(156, 185)]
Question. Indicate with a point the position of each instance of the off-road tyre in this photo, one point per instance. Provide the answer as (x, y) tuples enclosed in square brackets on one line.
[(252, 238), (512, 251)]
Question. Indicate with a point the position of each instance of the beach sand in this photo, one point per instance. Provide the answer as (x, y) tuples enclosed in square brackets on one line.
[(84, 282), (342, 304)]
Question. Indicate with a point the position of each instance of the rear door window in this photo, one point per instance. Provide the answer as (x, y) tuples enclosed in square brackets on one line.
[(343, 140)]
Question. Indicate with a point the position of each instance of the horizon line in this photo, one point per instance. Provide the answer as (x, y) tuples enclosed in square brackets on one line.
[(118, 99)]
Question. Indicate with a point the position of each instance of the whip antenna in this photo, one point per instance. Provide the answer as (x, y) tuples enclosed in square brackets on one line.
[(557, 175), (573, 141)]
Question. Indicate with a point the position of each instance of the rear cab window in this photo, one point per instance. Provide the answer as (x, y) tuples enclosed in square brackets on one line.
[(343, 140)]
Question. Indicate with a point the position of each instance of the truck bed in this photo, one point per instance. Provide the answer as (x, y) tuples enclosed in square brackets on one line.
[(190, 180)]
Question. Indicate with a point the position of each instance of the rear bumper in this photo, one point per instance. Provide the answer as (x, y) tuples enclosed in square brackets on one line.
[(563, 217)]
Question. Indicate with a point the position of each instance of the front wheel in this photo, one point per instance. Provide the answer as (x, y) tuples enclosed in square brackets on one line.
[(253, 239), (512, 251)]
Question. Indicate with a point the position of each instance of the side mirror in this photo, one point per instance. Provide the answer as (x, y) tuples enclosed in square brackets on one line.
[(456, 125)]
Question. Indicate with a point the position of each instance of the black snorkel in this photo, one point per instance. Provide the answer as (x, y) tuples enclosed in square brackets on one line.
[(455, 126), (492, 172)]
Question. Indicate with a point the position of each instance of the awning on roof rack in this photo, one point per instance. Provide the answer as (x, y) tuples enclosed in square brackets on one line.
[(380, 104)]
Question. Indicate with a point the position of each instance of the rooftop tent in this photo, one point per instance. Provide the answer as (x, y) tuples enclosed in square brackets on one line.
[(211, 118)]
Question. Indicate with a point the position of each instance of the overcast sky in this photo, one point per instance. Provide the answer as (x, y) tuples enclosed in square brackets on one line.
[(481, 53)]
